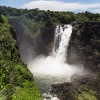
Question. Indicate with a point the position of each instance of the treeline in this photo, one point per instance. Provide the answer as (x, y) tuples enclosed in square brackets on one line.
[(50, 17)]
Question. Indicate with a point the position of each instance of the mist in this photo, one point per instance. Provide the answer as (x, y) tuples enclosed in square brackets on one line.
[(49, 66)]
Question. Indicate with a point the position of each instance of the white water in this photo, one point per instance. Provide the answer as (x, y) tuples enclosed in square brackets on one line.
[(63, 45), (53, 69), (54, 64)]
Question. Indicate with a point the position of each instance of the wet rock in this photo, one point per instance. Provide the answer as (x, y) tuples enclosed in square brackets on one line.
[(75, 78), (70, 90)]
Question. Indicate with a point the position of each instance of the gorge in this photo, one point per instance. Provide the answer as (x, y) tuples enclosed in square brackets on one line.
[(54, 69), (64, 60)]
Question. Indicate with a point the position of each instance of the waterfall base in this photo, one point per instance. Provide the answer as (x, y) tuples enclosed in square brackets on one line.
[(53, 69)]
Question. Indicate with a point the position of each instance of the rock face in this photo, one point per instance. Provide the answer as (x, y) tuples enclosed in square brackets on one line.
[(85, 45), (43, 42)]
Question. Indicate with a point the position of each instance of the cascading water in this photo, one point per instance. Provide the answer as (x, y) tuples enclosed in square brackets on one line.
[(54, 69), (62, 38), (57, 39)]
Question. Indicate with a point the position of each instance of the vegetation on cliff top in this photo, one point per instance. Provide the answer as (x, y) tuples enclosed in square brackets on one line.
[(16, 81)]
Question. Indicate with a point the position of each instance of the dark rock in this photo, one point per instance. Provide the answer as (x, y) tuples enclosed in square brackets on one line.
[(70, 90), (84, 46), (75, 78)]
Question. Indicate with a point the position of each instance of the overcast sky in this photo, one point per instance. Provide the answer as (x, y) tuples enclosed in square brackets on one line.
[(55, 5)]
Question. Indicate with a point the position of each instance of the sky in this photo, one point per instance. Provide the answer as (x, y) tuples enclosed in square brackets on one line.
[(55, 5)]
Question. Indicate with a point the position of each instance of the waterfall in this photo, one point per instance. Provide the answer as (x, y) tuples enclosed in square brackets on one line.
[(57, 39), (54, 64), (61, 42)]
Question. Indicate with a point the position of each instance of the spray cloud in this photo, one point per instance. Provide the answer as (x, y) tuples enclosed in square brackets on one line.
[(54, 65)]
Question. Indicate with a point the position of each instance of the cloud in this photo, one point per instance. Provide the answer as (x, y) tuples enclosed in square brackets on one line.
[(56, 5), (96, 10)]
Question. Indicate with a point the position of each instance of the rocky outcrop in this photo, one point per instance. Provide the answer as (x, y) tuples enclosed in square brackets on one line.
[(76, 89)]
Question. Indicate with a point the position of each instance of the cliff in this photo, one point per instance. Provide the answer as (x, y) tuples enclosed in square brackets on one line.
[(16, 81), (85, 43)]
